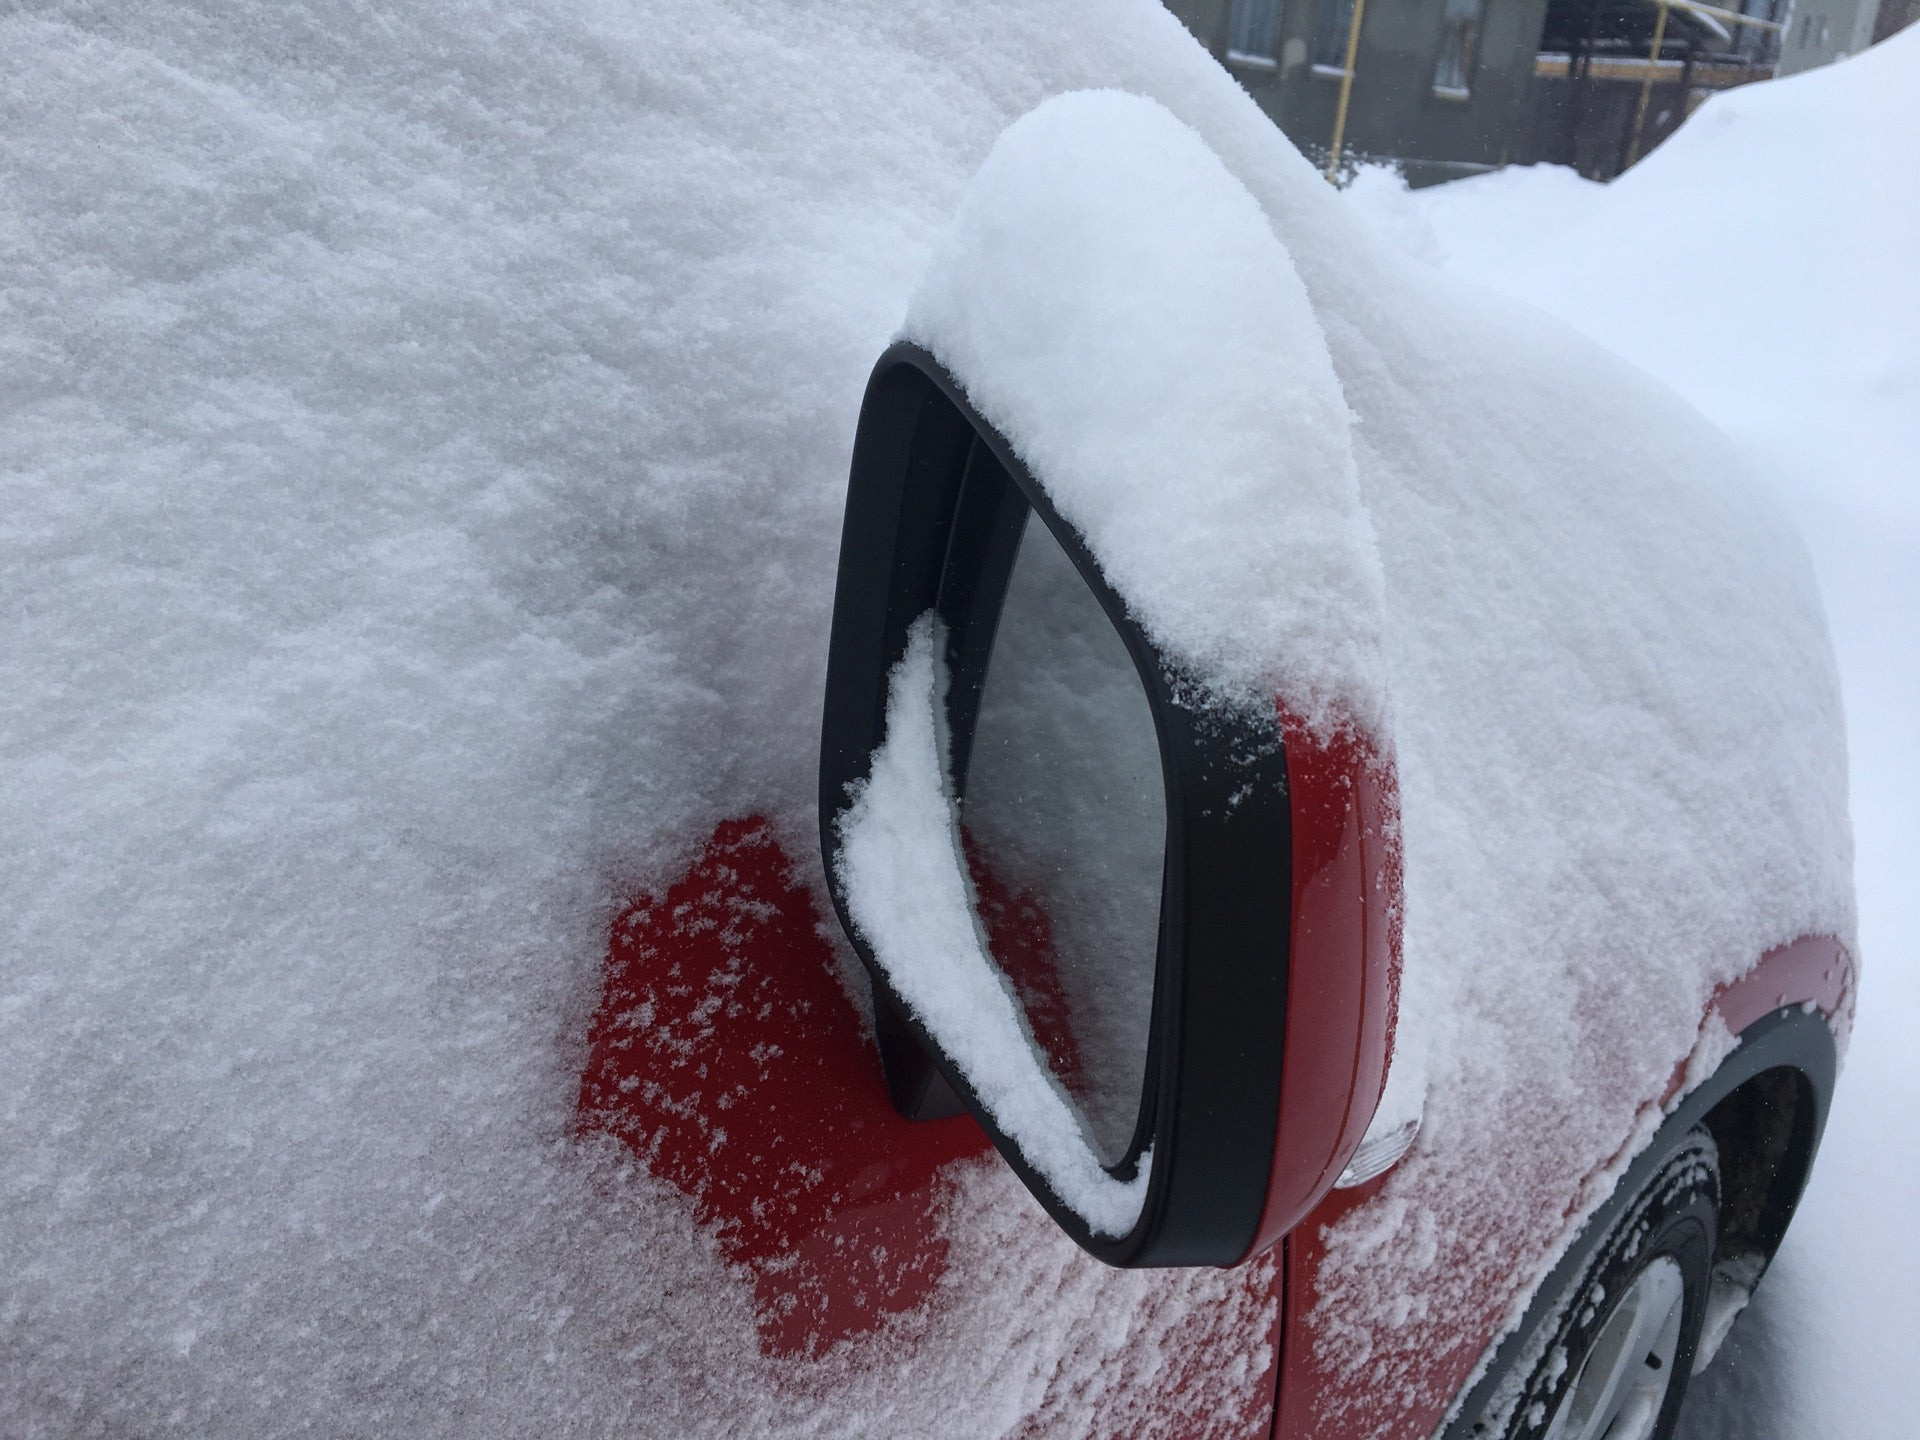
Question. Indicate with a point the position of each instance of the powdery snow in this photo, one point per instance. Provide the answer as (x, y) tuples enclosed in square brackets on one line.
[(1617, 723), (422, 440), (1761, 262)]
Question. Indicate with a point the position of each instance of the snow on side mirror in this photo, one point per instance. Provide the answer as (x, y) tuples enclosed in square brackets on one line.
[(1103, 798), (1070, 886)]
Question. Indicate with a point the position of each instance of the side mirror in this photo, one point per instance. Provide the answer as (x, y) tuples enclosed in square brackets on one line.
[(1124, 878), (1090, 906)]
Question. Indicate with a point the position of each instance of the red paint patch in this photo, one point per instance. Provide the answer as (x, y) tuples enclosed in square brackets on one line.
[(727, 1056)]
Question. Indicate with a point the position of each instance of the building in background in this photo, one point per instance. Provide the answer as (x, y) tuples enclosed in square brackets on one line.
[(1616, 77), (1439, 86), (1894, 15), (1444, 88), (1822, 31)]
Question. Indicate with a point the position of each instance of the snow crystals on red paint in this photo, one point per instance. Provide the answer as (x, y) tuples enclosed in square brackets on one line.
[(726, 1054)]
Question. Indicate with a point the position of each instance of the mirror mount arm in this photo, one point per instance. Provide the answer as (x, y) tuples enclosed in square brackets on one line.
[(918, 1090)]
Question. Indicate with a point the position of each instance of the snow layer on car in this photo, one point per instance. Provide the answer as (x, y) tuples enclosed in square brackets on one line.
[(423, 440), (1816, 373)]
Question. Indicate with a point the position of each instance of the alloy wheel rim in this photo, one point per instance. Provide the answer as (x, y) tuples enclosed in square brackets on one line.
[(1623, 1381)]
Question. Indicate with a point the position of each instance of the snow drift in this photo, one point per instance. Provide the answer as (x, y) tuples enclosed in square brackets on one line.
[(1751, 262)]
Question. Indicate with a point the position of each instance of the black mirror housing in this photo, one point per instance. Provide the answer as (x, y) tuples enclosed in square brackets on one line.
[(1217, 1047)]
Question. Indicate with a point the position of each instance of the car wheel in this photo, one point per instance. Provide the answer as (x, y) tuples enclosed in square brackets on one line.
[(1613, 1357)]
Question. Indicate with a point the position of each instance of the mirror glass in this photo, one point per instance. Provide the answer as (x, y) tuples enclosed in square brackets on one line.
[(1063, 819)]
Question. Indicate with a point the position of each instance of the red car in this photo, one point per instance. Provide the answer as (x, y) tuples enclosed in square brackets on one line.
[(1351, 813)]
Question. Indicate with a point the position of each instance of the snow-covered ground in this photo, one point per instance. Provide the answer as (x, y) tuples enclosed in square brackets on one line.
[(1764, 263)]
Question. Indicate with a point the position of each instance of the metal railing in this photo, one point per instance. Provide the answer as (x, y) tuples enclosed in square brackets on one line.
[(1695, 7), (1716, 14)]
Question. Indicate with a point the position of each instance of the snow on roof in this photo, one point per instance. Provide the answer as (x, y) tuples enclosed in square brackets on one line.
[(423, 440)]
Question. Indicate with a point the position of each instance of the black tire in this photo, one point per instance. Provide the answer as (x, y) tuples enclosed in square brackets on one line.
[(1592, 1351)]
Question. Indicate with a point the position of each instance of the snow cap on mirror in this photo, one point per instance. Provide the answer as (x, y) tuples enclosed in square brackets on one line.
[(1116, 303)]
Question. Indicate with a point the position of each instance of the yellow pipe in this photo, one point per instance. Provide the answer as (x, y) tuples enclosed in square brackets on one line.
[(1646, 89), (1346, 90)]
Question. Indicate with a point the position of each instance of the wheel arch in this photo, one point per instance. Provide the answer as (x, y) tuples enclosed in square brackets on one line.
[(1767, 1131), (1770, 1097)]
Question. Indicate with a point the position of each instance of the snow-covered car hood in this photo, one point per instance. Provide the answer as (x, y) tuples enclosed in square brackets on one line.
[(423, 440)]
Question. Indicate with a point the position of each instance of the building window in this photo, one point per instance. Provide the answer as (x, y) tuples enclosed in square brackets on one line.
[(1459, 47), (1332, 20), (1758, 44), (1813, 30), (1251, 26)]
